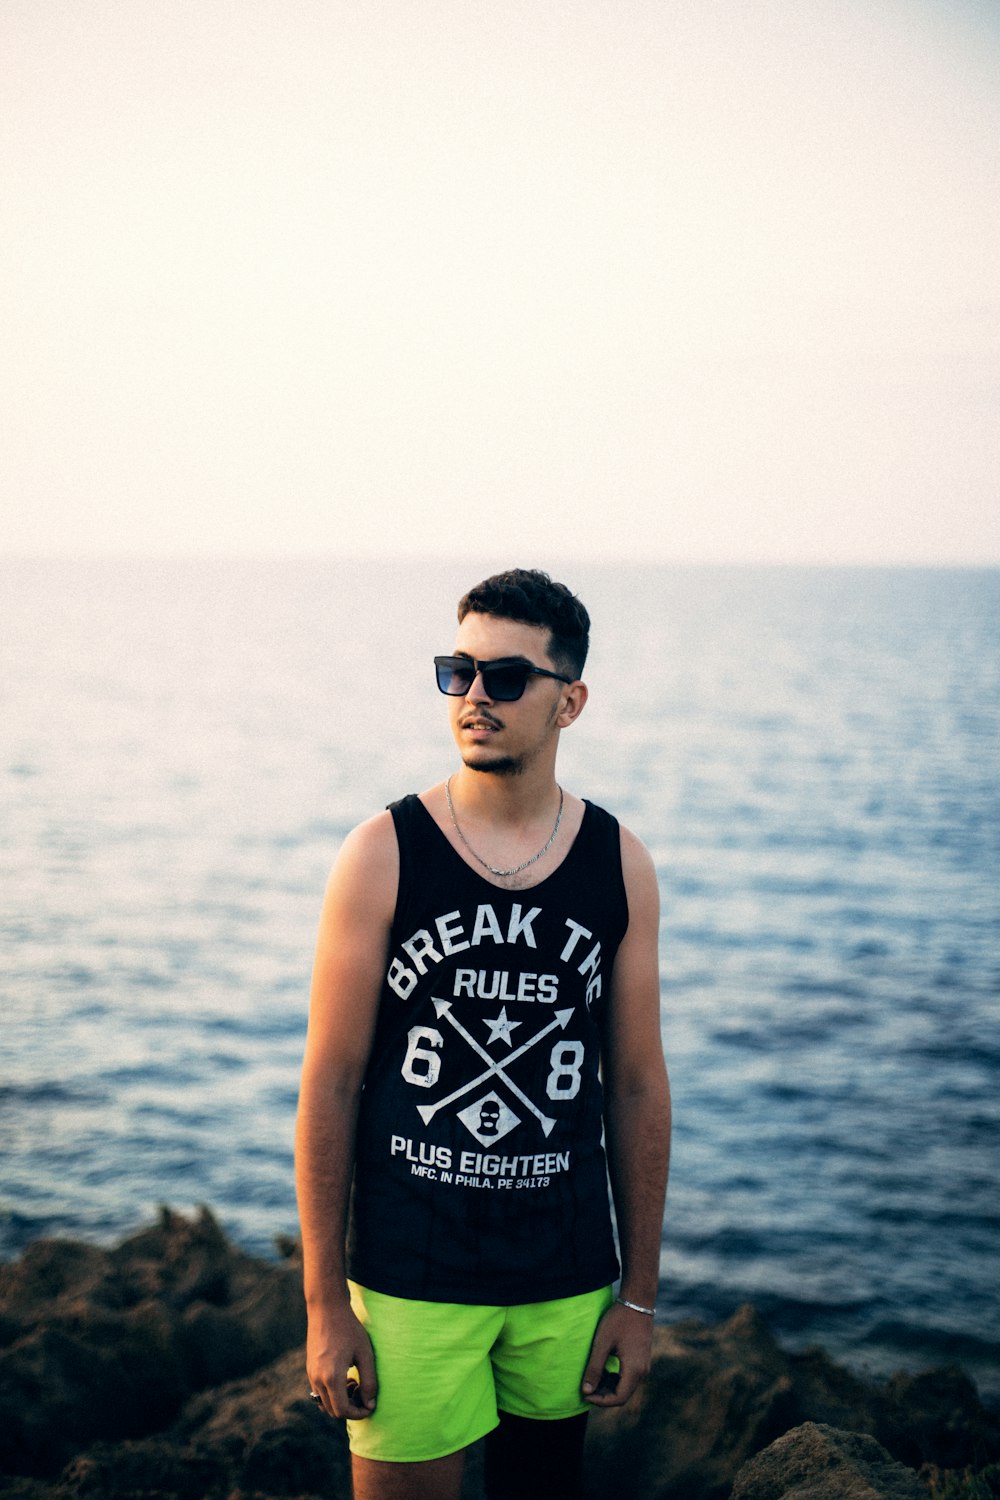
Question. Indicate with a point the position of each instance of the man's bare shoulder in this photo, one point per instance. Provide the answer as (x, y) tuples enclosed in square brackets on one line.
[(635, 856), (374, 839), (638, 870), (367, 865)]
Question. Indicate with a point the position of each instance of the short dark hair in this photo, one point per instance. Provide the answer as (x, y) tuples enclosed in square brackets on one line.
[(533, 598)]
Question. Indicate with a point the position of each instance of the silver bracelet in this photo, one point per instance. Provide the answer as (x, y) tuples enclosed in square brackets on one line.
[(649, 1311)]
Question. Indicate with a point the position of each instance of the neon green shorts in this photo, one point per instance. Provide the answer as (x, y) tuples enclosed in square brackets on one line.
[(445, 1368)]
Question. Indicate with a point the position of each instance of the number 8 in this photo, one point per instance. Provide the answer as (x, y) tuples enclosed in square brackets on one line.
[(565, 1061)]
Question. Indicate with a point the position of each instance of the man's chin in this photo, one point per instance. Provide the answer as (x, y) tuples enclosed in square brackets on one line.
[(503, 765)]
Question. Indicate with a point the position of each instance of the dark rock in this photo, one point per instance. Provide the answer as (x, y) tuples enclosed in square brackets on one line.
[(718, 1395), (713, 1397), (108, 1344), (936, 1418), (271, 1437), (817, 1462), (153, 1469), (254, 1439)]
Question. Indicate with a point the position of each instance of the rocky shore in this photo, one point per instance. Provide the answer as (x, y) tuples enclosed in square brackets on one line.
[(171, 1368)]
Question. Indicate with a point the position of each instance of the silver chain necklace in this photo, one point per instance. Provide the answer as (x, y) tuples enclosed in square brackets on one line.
[(503, 874)]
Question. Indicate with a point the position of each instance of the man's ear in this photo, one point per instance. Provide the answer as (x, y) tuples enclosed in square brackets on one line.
[(574, 699)]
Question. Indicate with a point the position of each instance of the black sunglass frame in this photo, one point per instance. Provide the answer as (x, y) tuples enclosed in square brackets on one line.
[(469, 666)]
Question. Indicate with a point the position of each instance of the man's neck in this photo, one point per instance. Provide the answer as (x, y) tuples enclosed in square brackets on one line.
[(504, 798)]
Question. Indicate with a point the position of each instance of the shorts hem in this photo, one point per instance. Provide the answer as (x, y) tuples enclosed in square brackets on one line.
[(547, 1416), (424, 1458)]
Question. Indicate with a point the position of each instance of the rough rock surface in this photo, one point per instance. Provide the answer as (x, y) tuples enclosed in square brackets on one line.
[(816, 1462), (718, 1395), (111, 1343), (171, 1368)]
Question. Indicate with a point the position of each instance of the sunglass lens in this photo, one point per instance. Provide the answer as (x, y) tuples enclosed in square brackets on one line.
[(505, 684), (454, 675)]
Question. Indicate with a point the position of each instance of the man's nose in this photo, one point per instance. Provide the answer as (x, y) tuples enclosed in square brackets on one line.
[(477, 690)]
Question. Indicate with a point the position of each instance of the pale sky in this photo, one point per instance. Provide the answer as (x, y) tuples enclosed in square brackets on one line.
[(706, 280)]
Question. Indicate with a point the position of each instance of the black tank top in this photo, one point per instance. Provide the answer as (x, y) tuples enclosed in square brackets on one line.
[(479, 1169)]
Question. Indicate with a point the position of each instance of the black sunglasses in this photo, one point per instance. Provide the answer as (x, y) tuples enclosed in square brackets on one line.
[(504, 681)]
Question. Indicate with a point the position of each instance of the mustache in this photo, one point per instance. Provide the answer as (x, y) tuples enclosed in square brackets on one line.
[(480, 716)]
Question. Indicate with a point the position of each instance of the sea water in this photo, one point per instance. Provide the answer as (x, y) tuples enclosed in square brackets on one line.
[(811, 755)]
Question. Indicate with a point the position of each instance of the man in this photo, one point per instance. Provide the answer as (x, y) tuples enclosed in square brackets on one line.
[(487, 958)]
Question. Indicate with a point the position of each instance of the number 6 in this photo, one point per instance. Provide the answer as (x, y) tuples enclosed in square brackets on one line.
[(430, 1063)]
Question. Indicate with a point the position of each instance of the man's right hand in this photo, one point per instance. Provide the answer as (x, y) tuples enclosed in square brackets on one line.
[(337, 1344)]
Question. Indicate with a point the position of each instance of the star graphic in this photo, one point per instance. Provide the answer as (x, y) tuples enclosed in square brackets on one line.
[(501, 1028)]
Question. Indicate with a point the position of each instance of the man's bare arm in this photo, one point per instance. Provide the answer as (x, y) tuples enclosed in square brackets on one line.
[(349, 967), (637, 1131)]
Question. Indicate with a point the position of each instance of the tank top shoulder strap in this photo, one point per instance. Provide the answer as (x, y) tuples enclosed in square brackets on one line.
[(416, 836), (598, 848)]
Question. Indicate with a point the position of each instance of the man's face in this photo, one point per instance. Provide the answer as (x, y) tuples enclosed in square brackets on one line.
[(505, 737)]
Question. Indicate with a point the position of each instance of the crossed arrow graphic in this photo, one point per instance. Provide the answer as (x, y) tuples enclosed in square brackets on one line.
[(496, 1067)]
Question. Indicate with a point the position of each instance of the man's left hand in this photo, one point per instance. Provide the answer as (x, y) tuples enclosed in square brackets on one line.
[(629, 1336)]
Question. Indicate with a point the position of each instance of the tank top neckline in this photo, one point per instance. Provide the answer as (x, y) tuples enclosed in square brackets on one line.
[(493, 885)]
